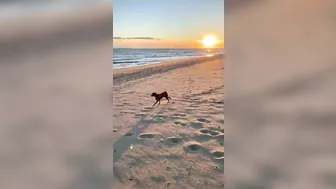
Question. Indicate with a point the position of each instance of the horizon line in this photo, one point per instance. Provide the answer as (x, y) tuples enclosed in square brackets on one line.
[(164, 48)]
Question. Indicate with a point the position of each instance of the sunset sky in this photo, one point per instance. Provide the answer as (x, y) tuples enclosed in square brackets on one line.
[(167, 23)]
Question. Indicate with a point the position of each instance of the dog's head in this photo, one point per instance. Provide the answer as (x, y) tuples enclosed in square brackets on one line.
[(153, 94)]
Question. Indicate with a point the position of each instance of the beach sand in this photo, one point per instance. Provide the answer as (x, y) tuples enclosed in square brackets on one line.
[(179, 144)]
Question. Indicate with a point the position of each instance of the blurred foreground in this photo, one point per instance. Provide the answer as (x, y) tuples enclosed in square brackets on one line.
[(56, 86), (280, 86)]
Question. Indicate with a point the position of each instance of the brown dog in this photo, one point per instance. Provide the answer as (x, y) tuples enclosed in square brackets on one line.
[(158, 97)]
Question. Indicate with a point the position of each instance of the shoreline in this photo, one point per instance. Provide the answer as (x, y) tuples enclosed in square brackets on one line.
[(158, 62), (121, 75)]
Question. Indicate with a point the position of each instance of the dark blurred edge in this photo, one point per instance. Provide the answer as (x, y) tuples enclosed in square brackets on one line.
[(233, 5), (74, 31)]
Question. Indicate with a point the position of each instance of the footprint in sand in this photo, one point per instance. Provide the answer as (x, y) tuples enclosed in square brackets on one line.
[(219, 107), (159, 117), (193, 146), (158, 179), (146, 135), (217, 154), (189, 110), (196, 125), (127, 112), (128, 134), (171, 109), (206, 134), (203, 138), (180, 123), (203, 120), (171, 141), (220, 139), (139, 115), (209, 132), (146, 109), (218, 128), (178, 115), (194, 106)]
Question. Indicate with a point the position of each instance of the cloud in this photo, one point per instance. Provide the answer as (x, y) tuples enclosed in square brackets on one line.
[(139, 38)]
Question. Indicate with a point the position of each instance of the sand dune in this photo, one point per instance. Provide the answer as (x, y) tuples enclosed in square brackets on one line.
[(177, 144)]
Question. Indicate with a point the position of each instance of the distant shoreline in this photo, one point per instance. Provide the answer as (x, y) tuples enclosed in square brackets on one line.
[(121, 75), (135, 57)]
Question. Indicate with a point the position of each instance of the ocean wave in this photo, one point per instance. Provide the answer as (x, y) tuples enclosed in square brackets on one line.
[(135, 57), (125, 62)]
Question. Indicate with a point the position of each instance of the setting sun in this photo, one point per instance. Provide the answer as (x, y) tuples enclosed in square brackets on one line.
[(209, 41)]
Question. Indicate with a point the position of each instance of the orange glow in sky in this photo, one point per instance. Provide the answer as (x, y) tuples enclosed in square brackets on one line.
[(209, 41)]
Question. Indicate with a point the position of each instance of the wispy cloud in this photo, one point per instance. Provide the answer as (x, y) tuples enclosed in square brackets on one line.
[(139, 38)]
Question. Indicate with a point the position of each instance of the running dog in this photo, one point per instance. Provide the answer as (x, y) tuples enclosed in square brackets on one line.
[(158, 97)]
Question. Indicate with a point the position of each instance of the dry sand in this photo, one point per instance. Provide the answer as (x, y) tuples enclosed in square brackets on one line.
[(179, 144)]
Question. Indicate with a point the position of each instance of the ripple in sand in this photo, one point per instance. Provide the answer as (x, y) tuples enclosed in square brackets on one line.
[(193, 146), (146, 135), (218, 154)]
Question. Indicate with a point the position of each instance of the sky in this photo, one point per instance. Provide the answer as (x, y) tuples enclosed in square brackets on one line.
[(166, 23)]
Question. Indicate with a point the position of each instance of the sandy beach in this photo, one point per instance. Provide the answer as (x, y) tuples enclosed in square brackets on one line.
[(179, 144)]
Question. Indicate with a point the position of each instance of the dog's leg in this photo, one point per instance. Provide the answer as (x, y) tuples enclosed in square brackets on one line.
[(159, 102), (155, 103), (167, 98)]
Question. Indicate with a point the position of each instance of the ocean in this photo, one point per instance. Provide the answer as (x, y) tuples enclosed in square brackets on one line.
[(137, 57)]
